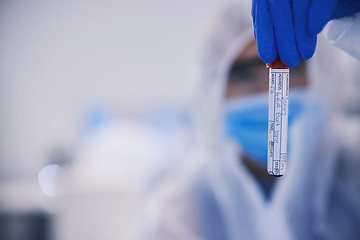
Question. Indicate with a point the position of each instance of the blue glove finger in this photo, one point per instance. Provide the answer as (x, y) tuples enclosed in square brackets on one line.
[(305, 41), (264, 31), (320, 13), (282, 16), (346, 8)]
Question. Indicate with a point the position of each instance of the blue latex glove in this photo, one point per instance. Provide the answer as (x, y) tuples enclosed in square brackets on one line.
[(346, 8), (289, 28)]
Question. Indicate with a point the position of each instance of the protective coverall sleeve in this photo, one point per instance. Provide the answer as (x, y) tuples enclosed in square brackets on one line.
[(345, 34)]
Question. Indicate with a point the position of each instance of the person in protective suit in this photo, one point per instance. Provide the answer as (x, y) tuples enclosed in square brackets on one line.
[(225, 193)]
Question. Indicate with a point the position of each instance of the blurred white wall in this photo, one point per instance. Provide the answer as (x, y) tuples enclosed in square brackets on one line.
[(57, 57)]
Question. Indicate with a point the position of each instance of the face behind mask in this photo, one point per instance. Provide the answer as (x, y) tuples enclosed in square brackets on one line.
[(246, 122)]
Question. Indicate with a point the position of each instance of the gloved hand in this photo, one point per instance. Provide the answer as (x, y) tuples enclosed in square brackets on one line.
[(289, 28), (346, 8)]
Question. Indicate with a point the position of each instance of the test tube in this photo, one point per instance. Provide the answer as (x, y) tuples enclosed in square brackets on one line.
[(278, 117)]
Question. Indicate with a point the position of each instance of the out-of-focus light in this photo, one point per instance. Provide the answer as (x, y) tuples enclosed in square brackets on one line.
[(47, 180)]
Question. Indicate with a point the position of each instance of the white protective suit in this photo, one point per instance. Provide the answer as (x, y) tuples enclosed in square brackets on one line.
[(345, 33), (217, 197)]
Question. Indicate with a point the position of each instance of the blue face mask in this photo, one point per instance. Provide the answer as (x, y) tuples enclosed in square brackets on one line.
[(246, 120)]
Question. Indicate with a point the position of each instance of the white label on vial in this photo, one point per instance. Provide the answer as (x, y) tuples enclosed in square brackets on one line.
[(278, 121)]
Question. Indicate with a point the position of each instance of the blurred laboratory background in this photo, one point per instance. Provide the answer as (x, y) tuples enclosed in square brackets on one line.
[(100, 101), (94, 91)]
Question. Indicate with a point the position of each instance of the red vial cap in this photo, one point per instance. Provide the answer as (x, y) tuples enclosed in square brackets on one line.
[(277, 64)]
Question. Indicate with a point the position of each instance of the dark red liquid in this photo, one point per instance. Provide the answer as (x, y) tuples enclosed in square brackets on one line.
[(277, 64)]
